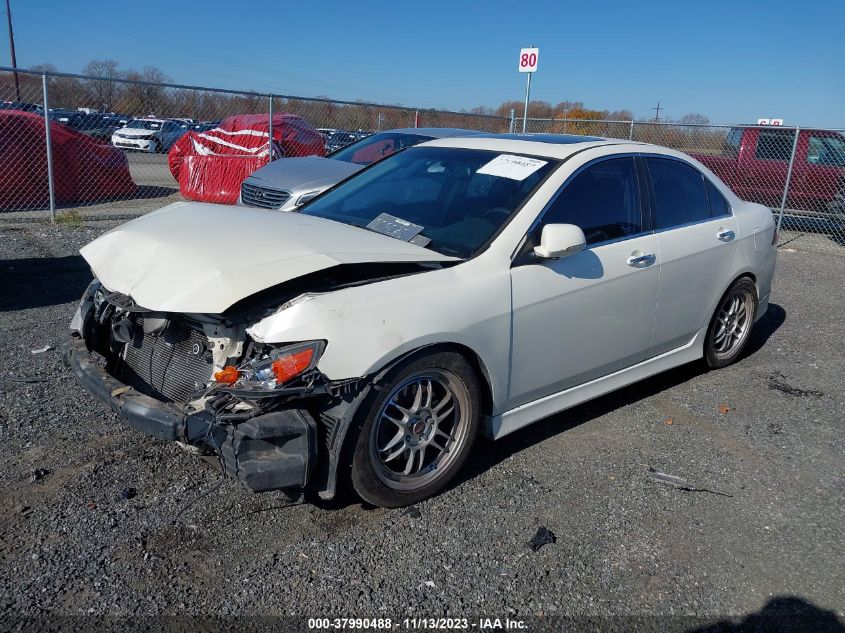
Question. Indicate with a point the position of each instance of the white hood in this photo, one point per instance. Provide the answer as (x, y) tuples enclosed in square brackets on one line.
[(202, 258), (129, 132)]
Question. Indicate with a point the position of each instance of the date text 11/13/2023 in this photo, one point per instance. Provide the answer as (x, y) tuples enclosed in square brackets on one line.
[(416, 624)]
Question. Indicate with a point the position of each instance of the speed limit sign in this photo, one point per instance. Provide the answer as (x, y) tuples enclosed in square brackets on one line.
[(528, 60)]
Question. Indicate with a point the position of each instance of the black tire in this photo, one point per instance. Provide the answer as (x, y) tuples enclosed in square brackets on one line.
[(723, 323), (374, 478)]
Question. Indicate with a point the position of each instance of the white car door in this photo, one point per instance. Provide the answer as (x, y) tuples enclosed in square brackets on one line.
[(697, 247), (590, 314)]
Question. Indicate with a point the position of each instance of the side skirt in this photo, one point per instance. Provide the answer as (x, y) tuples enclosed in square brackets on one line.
[(514, 419)]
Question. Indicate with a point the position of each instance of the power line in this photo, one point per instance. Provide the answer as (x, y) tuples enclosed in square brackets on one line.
[(657, 112)]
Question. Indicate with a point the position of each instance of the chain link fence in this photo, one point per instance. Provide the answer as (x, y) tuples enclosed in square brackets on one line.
[(110, 140)]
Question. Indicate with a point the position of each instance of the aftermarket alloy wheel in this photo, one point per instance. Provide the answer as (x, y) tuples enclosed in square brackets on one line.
[(731, 324), (418, 432)]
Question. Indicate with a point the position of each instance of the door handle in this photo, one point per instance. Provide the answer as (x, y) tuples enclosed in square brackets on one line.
[(641, 261), (726, 236)]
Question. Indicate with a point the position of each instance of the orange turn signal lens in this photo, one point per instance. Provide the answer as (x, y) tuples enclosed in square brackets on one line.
[(228, 375), (291, 365)]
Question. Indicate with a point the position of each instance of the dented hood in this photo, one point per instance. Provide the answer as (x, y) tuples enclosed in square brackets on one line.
[(203, 258)]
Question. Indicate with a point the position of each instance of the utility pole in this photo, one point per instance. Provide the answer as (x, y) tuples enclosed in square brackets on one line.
[(657, 112), (12, 48)]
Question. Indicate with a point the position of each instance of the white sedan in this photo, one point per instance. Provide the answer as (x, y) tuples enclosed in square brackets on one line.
[(148, 135), (462, 286)]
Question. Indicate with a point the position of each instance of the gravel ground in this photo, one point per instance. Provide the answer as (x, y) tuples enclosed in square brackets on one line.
[(767, 431)]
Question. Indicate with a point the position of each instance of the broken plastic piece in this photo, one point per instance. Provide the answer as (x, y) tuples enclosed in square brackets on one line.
[(543, 536), (681, 484), (228, 375), (38, 474), (41, 350), (128, 493), (413, 512)]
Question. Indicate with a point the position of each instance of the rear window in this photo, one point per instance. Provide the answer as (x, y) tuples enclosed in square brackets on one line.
[(679, 193), (718, 204), (773, 145)]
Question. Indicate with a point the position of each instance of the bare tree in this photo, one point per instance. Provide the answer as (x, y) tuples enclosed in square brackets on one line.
[(695, 118), (102, 92)]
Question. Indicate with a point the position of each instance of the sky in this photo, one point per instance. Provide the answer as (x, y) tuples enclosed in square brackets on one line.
[(732, 61)]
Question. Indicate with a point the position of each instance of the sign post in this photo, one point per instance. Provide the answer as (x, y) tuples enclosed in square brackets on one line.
[(528, 58)]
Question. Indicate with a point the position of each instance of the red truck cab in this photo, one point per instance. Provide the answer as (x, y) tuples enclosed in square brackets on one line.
[(755, 162)]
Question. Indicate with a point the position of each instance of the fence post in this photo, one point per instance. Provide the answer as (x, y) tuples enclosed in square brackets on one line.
[(788, 176), (631, 131), (416, 118), (513, 121), (270, 132), (47, 138)]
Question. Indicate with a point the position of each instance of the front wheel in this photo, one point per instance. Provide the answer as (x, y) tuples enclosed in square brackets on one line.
[(731, 326), (417, 433)]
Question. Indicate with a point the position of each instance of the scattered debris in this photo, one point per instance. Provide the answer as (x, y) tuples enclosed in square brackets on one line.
[(682, 484), (26, 379), (542, 537), (775, 429), (120, 390), (669, 422), (429, 583), (41, 350), (128, 493), (38, 474), (777, 383), (724, 409), (24, 510), (412, 512), (91, 505)]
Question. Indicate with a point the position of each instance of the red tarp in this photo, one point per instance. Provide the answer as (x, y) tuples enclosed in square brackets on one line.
[(210, 166), (84, 169)]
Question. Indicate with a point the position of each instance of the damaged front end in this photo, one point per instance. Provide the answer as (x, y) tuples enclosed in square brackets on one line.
[(200, 380)]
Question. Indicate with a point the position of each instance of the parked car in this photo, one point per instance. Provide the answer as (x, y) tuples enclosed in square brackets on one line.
[(100, 125), (340, 139), (290, 182), (148, 135), (22, 106), (757, 162), (326, 132), (203, 126), (463, 286)]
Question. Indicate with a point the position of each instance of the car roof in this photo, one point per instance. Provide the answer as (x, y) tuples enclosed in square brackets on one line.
[(435, 132), (550, 145)]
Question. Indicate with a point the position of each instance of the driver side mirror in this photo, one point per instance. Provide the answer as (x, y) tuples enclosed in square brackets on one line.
[(560, 240)]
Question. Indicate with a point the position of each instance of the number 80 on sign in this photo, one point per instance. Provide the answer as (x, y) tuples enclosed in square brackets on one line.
[(528, 59)]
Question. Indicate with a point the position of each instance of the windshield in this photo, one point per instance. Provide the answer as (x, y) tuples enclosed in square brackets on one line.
[(376, 147), (447, 199), (138, 124)]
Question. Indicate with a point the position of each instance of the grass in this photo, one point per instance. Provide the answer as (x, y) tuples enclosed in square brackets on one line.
[(69, 218)]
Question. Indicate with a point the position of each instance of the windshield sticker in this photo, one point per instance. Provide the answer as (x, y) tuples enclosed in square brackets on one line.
[(387, 224), (510, 166)]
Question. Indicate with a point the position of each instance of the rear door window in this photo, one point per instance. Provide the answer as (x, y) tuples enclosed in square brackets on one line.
[(680, 195), (604, 200)]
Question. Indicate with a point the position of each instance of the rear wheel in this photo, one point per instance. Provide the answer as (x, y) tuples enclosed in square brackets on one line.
[(417, 433), (731, 325)]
